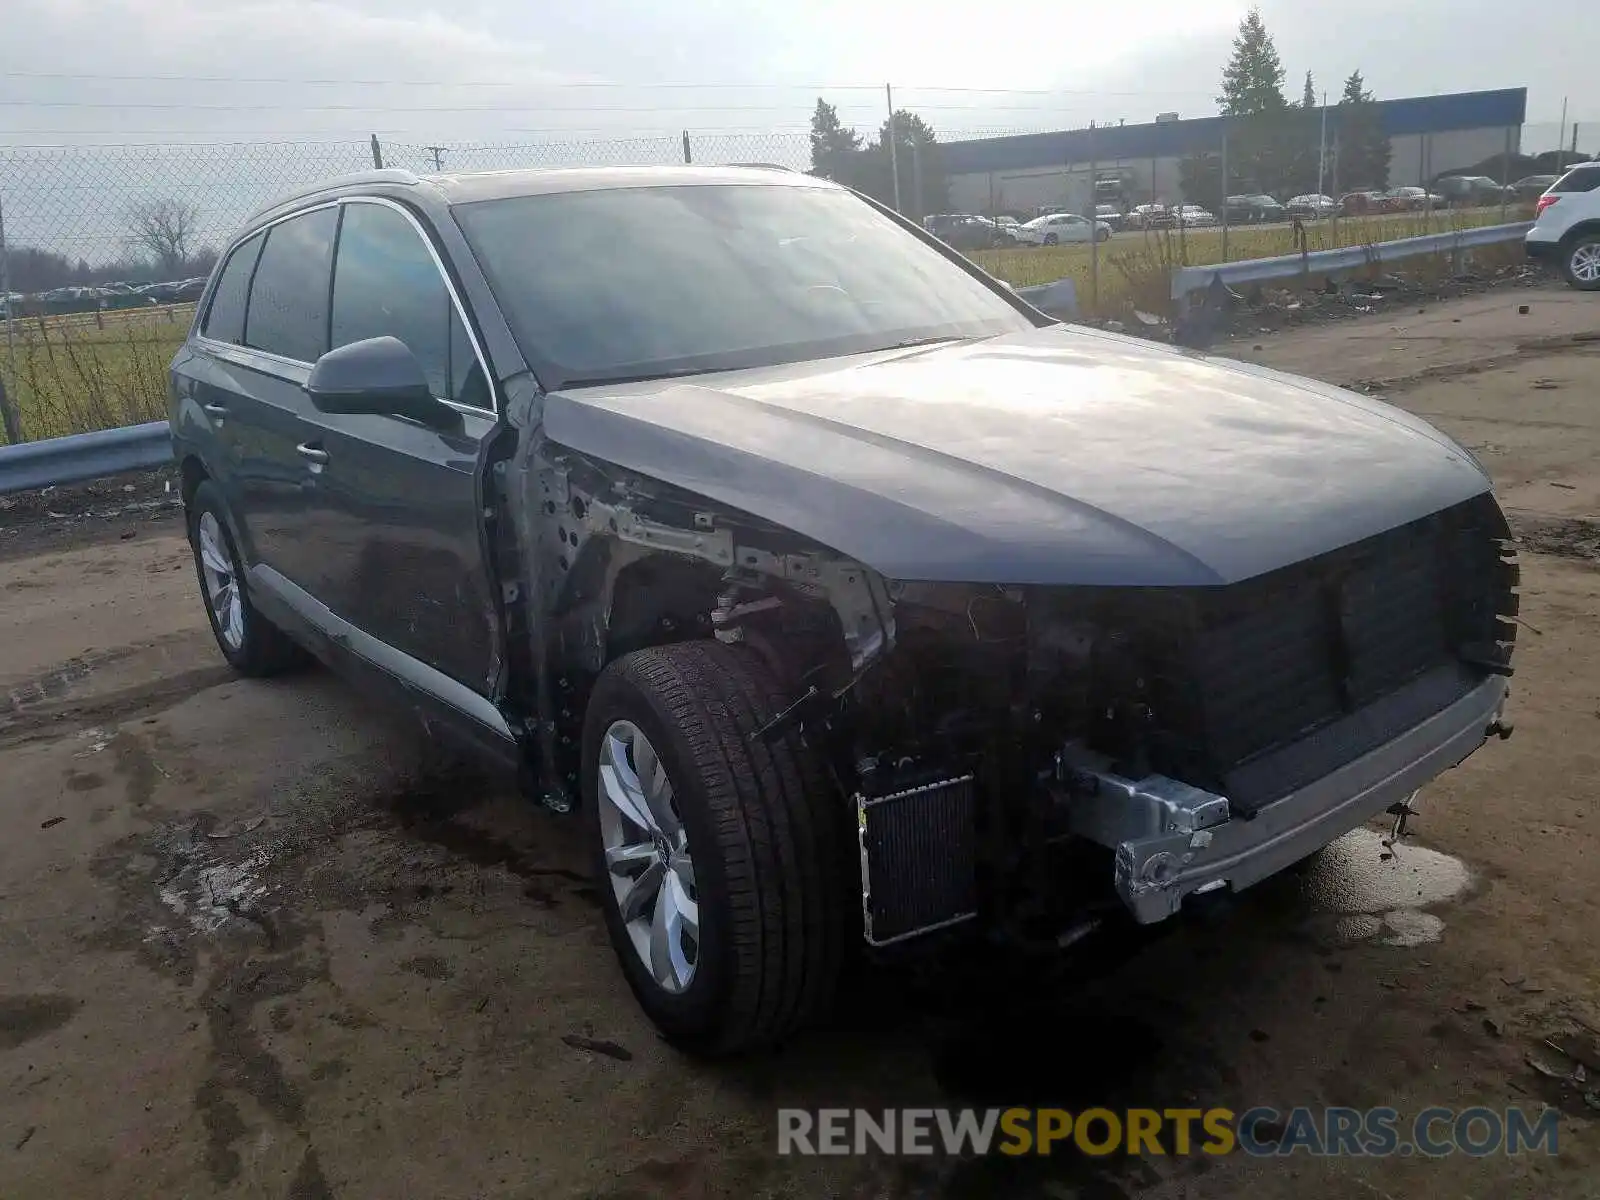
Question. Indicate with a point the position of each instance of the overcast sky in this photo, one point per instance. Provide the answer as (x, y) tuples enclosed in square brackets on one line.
[(498, 70)]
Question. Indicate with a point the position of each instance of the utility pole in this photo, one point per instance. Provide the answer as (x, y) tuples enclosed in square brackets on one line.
[(1322, 148), (437, 152), (1561, 142), (894, 154)]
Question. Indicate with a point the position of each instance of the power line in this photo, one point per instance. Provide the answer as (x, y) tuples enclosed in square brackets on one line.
[(124, 105), (584, 83)]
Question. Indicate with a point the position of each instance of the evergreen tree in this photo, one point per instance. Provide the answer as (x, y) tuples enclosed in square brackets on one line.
[(834, 146), (1252, 82), (1309, 100), (1363, 150), (916, 153)]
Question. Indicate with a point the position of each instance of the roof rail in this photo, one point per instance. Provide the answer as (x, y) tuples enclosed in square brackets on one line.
[(760, 166), (354, 179)]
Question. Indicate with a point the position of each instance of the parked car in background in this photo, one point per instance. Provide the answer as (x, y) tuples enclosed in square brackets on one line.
[(1531, 187), (1149, 216), (1413, 199), (1062, 228), (1253, 208), (1312, 207), (1192, 216), (1364, 202), (1109, 214), (1467, 191), (968, 231), (1566, 227), (845, 604)]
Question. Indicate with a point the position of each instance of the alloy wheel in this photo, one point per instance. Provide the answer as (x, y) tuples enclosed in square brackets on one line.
[(647, 856), (222, 584), (1585, 263)]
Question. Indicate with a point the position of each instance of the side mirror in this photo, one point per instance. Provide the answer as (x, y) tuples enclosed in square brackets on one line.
[(377, 375)]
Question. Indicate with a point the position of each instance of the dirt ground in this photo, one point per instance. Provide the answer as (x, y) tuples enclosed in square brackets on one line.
[(250, 948)]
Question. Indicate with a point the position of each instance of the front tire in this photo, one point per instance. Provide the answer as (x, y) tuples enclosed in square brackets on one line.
[(724, 861), (252, 645), (1051, 239), (1580, 262)]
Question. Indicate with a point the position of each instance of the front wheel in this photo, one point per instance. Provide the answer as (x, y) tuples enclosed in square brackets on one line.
[(1051, 239), (1101, 235), (1581, 263), (725, 859)]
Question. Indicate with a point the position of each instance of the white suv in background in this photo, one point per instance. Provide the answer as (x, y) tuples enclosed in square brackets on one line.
[(1566, 227)]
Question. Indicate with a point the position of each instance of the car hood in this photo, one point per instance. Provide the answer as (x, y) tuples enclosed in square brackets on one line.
[(1059, 455)]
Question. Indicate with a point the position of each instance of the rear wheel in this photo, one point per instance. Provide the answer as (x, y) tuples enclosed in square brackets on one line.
[(725, 860), (1581, 262), (251, 644)]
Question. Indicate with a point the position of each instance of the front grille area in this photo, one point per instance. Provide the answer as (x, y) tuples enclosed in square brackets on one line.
[(1242, 671)]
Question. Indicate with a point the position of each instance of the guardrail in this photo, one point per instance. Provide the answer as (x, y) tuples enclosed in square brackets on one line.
[(83, 456), (1350, 258)]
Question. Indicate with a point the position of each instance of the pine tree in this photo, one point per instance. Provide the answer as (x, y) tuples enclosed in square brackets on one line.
[(916, 152), (1364, 149), (1309, 100), (834, 147), (1252, 82)]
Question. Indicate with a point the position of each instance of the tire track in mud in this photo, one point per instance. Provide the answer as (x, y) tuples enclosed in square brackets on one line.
[(108, 685)]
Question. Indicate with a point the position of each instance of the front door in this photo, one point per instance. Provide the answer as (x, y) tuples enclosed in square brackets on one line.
[(396, 514)]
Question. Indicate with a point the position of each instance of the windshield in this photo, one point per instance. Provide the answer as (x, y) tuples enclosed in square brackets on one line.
[(629, 283)]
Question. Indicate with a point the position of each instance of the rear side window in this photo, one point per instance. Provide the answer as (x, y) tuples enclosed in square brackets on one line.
[(1581, 179), (288, 312), (385, 282), (225, 317)]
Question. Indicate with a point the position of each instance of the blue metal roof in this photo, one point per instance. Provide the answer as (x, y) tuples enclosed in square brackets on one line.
[(1176, 139)]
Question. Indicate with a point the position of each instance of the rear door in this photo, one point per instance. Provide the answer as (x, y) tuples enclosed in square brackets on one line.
[(204, 378), (397, 515), (259, 398)]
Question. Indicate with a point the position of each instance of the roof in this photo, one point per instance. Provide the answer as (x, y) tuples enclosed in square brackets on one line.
[(470, 187), (1176, 139)]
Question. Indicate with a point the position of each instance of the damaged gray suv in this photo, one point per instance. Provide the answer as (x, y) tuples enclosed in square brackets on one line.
[(850, 602)]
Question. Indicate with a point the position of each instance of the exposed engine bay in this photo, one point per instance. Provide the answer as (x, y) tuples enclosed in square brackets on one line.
[(1020, 757)]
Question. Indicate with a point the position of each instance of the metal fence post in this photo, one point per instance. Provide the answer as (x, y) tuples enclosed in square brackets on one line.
[(8, 406), (1094, 226), (1505, 175), (1224, 195), (377, 153), (688, 154)]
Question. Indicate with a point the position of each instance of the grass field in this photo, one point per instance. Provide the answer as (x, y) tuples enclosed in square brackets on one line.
[(1134, 267), (74, 373)]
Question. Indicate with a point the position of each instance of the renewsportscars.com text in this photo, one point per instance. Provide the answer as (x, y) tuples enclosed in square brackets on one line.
[(1433, 1132)]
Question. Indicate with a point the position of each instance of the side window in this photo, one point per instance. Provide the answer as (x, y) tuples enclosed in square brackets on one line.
[(386, 282), (225, 318), (1584, 179), (288, 312)]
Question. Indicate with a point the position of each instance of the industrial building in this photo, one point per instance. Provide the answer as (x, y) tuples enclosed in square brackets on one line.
[(1427, 134)]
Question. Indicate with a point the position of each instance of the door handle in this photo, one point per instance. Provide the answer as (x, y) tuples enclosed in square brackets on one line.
[(315, 453), (216, 410)]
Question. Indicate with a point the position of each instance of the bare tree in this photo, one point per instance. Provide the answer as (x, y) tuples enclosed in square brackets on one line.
[(163, 228)]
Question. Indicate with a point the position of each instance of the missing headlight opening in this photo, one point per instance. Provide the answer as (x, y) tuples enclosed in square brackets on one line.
[(1023, 758)]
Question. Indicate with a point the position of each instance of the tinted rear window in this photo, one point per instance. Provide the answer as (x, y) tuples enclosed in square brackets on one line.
[(1583, 179), (288, 312), (225, 317)]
